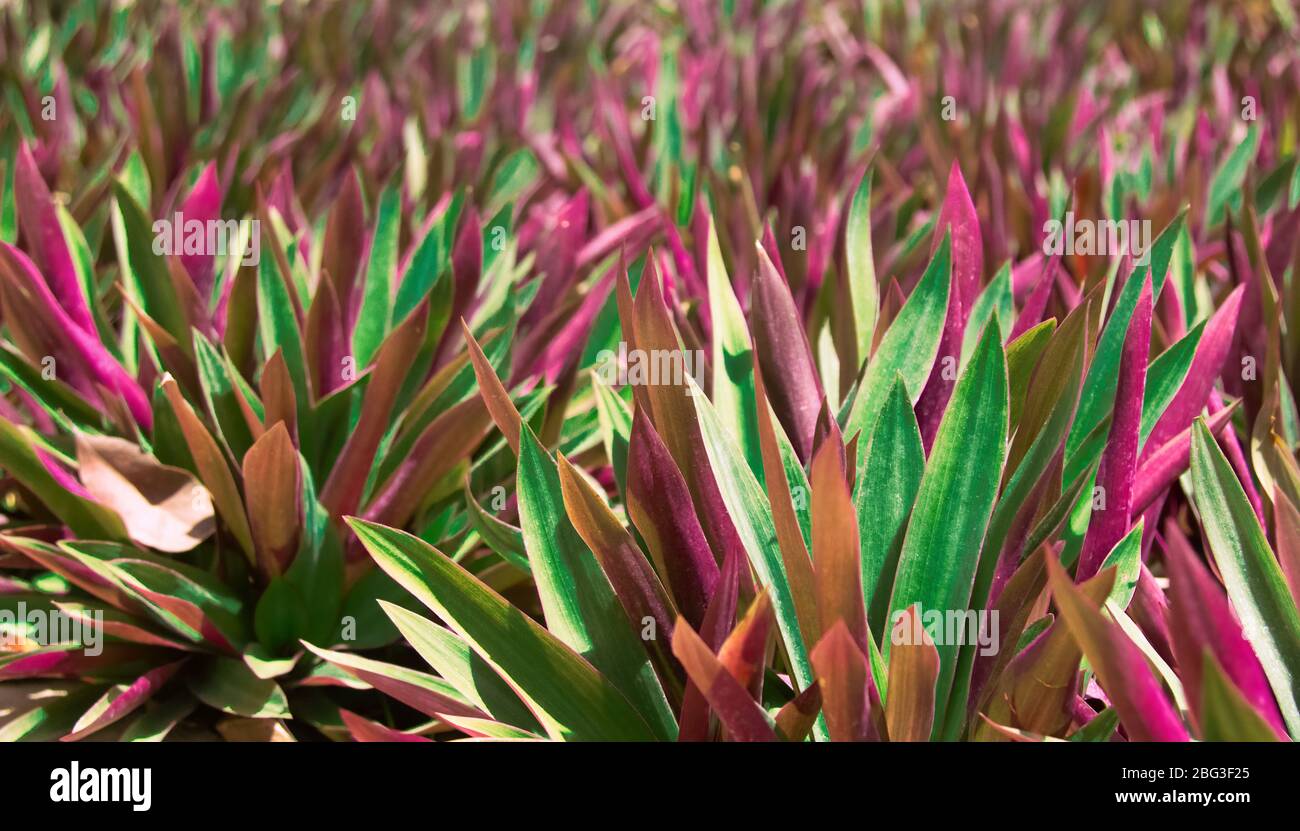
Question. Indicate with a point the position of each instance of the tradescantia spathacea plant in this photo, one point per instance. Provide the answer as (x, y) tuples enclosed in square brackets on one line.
[(766, 371)]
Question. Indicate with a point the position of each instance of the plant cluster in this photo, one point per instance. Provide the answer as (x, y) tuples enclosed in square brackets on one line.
[(744, 370)]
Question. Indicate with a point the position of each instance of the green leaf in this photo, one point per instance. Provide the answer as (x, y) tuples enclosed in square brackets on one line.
[(149, 270), (1273, 184), (87, 519), (1030, 634), (864, 291), (278, 325), (377, 292), (1250, 572), (427, 265), (134, 178), (1098, 395), (566, 693), (266, 665), (184, 598), (1164, 378), (1126, 558), (453, 659), (1100, 729), (57, 398), (1183, 268), (501, 537), (8, 208), (955, 501), (230, 686), (280, 617), (748, 506), (996, 297), (362, 624), (50, 719), (474, 72), (1023, 355), (886, 489), (426, 693), (580, 606), (316, 572), (908, 348), (1226, 185), (1041, 423), (515, 173), (157, 720), (733, 364), (492, 730), (1226, 716), (615, 421), (222, 397), (607, 329)]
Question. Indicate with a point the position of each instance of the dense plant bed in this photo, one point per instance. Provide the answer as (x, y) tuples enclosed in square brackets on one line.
[(680, 370)]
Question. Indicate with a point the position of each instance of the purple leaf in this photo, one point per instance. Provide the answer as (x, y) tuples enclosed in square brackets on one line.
[(629, 233), (785, 357), (1119, 460), (1031, 314), (741, 714), (559, 237), (365, 730), (20, 274), (1161, 467), (40, 225), (694, 722), (344, 246), (1202, 620), (559, 350), (660, 507), (1206, 365), (202, 205), (1121, 668), (958, 213), (121, 701)]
